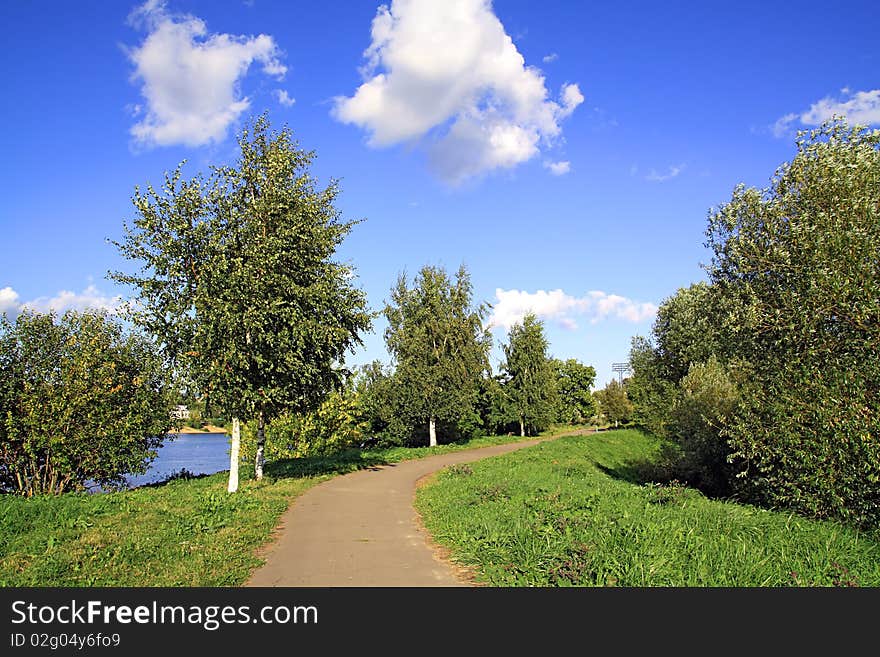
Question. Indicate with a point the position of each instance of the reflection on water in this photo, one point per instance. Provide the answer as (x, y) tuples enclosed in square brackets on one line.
[(199, 453)]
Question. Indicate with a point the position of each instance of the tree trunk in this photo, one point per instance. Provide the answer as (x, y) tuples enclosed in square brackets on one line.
[(261, 444), (432, 432), (233, 456), (522, 426)]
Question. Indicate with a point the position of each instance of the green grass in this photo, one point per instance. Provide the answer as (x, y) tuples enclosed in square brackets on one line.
[(183, 533), (568, 513)]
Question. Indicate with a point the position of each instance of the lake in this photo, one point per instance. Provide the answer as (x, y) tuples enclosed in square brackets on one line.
[(199, 453)]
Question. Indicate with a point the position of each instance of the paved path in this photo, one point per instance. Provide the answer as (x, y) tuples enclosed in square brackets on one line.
[(361, 529)]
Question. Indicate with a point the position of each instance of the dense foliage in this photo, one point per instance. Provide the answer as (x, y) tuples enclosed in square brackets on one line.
[(238, 282), (791, 315), (334, 426), (530, 386), (440, 347), (81, 402), (575, 403), (613, 403)]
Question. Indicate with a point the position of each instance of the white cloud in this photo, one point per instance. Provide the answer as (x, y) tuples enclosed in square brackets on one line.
[(558, 168), (512, 305), (860, 107), (448, 70), (673, 172), (284, 98), (65, 300), (190, 77), (552, 57), (9, 301), (783, 125)]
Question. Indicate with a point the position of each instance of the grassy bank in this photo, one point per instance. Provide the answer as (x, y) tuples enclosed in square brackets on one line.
[(569, 512), (183, 533)]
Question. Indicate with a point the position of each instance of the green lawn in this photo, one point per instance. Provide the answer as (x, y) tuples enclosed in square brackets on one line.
[(568, 512), (185, 533)]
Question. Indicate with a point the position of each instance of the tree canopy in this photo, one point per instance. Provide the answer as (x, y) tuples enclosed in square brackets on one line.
[(531, 384), (436, 336), (775, 358), (238, 283), (573, 383)]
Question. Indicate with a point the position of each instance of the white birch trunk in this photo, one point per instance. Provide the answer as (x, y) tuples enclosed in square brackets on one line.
[(522, 427), (261, 445), (432, 432), (233, 456)]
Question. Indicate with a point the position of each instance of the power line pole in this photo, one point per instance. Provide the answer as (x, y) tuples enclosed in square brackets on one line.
[(620, 368)]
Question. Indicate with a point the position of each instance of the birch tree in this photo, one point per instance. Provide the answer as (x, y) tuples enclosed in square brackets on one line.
[(531, 386), (238, 282), (436, 336)]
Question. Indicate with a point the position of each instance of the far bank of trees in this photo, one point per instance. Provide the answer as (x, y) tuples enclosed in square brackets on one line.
[(767, 377), (441, 371)]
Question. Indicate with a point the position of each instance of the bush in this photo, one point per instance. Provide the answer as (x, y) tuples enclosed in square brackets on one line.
[(335, 426), (80, 402), (706, 401), (798, 263)]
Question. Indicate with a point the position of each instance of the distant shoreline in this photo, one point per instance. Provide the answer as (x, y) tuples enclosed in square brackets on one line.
[(208, 428)]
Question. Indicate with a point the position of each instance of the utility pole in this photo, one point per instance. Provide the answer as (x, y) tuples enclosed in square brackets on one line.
[(620, 368)]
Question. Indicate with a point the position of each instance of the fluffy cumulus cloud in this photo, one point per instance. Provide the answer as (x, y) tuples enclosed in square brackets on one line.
[(190, 78), (512, 305), (449, 73), (65, 300), (9, 301), (862, 107)]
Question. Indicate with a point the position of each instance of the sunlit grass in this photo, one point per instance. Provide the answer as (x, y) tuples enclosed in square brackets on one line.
[(566, 513), (184, 533)]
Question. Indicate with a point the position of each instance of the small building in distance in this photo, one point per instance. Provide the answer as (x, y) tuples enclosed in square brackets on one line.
[(180, 412)]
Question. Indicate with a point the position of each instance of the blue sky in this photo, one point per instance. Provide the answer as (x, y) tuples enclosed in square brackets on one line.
[(566, 152)]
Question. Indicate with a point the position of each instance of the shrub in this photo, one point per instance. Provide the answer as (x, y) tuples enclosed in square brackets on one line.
[(80, 402), (706, 400)]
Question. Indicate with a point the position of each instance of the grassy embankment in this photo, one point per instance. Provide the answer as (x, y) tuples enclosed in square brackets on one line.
[(571, 512), (183, 533)]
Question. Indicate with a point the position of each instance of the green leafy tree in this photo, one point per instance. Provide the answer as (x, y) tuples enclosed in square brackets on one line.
[(378, 405), (81, 403), (798, 263), (239, 286), (335, 425), (435, 334), (651, 389), (614, 403), (707, 400), (573, 383), (531, 384)]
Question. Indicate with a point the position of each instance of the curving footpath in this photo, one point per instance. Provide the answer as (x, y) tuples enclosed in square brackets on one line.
[(360, 529)]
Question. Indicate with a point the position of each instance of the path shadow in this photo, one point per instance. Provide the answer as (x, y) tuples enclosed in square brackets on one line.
[(315, 466)]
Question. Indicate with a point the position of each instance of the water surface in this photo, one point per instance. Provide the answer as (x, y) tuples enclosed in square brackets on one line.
[(199, 453)]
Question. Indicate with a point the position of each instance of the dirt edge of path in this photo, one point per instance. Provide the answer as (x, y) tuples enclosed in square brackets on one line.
[(464, 573)]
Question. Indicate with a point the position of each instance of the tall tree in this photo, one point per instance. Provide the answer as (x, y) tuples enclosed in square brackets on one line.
[(435, 334), (573, 383), (531, 386), (239, 285), (799, 260)]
